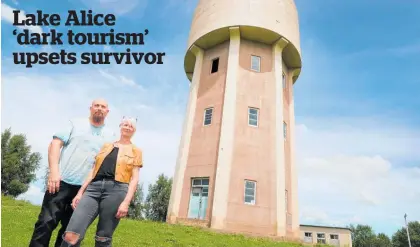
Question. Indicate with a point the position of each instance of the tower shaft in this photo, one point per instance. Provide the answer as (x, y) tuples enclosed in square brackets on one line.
[(236, 168)]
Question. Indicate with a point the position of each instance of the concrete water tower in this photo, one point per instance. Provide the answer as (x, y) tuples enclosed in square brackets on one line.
[(236, 163)]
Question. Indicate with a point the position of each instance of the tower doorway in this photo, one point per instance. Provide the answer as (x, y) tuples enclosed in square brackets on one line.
[(198, 198)]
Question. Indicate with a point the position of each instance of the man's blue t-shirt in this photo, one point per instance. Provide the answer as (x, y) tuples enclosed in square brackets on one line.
[(82, 141)]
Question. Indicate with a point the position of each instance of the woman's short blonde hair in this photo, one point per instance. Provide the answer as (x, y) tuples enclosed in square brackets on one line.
[(130, 120)]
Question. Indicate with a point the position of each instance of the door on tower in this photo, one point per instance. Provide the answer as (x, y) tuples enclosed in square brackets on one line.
[(199, 198)]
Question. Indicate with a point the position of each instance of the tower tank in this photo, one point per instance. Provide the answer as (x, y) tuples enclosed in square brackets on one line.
[(235, 169)]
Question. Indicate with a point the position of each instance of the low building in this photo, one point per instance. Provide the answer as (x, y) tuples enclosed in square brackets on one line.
[(335, 236)]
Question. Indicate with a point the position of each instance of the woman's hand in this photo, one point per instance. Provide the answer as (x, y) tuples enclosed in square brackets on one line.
[(122, 210), (76, 200)]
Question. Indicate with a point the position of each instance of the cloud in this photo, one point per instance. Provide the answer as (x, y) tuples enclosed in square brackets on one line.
[(344, 177), (358, 136), (8, 16), (119, 79), (356, 149)]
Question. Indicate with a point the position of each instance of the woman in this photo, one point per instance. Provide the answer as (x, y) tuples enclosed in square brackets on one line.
[(108, 190)]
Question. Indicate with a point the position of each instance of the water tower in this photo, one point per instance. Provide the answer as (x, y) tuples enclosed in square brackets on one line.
[(236, 164)]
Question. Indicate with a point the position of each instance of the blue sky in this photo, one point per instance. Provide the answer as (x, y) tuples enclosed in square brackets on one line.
[(356, 106)]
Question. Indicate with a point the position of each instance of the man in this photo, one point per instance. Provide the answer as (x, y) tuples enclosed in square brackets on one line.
[(80, 142)]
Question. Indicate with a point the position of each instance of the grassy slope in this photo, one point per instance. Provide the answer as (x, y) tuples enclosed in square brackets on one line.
[(18, 218)]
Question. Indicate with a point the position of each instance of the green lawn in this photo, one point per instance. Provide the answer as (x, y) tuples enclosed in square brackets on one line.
[(18, 218)]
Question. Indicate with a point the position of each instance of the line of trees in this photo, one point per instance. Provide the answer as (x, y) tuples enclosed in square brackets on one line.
[(364, 236)]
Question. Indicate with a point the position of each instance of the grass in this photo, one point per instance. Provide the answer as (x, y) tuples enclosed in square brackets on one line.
[(18, 218)]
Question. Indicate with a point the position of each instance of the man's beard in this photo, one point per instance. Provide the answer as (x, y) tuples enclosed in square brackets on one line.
[(97, 118)]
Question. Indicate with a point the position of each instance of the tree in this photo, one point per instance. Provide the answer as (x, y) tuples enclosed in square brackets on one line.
[(157, 201), (136, 208), (400, 239), (363, 236), (382, 240), (18, 164)]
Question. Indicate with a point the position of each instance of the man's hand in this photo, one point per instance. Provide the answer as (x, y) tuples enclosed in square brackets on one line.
[(53, 159), (54, 182), (122, 210)]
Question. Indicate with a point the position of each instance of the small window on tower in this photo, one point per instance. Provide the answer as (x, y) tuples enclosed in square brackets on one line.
[(250, 192), (253, 116), (208, 114), (215, 65), (255, 63)]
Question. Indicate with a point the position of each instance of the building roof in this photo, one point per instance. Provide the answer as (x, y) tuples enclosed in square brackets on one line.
[(332, 227)]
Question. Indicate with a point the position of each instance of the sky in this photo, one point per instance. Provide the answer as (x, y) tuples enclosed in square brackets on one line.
[(357, 135)]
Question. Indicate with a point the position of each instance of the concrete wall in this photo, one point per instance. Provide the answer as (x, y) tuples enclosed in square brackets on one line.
[(279, 16), (202, 155), (253, 155)]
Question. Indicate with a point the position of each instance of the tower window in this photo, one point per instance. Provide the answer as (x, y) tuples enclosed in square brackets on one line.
[(208, 115), (250, 192), (215, 65), (286, 200), (284, 130), (256, 63), (284, 81), (253, 116)]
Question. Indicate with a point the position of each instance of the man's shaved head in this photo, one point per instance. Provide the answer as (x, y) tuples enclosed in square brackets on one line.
[(100, 101), (98, 111)]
